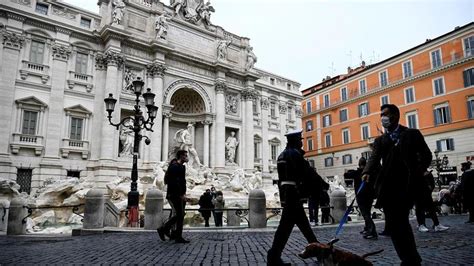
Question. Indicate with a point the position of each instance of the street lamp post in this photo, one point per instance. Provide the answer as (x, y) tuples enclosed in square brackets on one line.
[(139, 123)]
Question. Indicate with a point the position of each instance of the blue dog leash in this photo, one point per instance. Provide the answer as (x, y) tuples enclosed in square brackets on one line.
[(349, 209)]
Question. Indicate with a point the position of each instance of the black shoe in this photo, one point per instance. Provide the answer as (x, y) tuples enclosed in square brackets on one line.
[(273, 259), (363, 232), (371, 236), (469, 222), (161, 232), (181, 240), (172, 235)]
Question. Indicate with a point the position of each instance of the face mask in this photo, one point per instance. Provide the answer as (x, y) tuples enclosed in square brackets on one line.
[(386, 121)]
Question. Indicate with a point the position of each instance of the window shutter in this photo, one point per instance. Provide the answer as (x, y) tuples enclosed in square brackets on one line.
[(436, 118), (368, 110), (451, 144), (330, 121), (438, 145), (448, 114), (360, 112), (470, 106)]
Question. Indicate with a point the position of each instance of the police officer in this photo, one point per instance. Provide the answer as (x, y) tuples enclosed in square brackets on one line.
[(293, 169)]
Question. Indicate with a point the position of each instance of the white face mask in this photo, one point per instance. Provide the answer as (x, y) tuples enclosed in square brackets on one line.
[(386, 121)]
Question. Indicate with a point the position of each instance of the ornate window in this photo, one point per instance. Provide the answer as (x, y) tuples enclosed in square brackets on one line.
[(23, 178), (76, 137), (274, 150), (28, 133)]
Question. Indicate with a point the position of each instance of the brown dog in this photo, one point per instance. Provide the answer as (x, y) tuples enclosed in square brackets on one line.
[(328, 255)]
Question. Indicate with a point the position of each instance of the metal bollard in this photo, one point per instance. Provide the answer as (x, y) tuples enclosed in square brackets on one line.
[(257, 209), (339, 202), (16, 214), (153, 209), (94, 209)]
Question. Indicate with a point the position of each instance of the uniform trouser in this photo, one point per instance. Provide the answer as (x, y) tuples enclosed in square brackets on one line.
[(177, 205), (293, 214), (425, 204), (396, 216), (365, 207), (218, 218)]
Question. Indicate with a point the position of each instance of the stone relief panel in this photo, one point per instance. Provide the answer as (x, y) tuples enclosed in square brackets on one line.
[(136, 52), (265, 103), (129, 75), (63, 12), (190, 68), (191, 41), (232, 103), (22, 2), (137, 22)]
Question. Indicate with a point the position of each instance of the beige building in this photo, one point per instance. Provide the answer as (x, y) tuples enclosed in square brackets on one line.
[(59, 62)]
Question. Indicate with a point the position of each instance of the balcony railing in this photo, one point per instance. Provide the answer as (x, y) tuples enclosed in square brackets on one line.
[(26, 141), (75, 146), (80, 79), (34, 69)]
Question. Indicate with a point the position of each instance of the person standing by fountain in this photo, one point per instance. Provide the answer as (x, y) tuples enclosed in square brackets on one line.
[(219, 205), (293, 171), (206, 206), (176, 181)]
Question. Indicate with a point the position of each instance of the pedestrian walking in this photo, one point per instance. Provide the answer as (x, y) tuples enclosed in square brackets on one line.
[(364, 199), (467, 189), (219, 205), (293, 173), (206, 206), (324, 201), (313, 210), (176, 182), (424, 204), (405, 156)]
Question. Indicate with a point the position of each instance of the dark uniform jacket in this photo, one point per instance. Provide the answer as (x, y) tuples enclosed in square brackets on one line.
[(175, 179), (467, 187), (403, 165), (293, 168)]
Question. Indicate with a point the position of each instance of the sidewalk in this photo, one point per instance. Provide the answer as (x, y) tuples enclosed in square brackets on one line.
[(228, 246)]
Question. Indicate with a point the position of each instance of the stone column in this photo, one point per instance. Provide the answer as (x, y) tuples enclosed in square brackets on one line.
[(283, 115), (206, 124), (166, 124), (156, 70), (10, 58), (247, 97), (265, 146), (220, 124), (56, 103), (94, 209), (153, 209), (114, 60), (16, 213), (99, 119)]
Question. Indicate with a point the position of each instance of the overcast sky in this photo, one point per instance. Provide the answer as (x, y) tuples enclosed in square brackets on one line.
[(306, 40)]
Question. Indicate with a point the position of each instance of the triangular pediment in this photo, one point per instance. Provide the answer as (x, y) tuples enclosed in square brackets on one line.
[(274, 140), (32, 100), (77, 109)]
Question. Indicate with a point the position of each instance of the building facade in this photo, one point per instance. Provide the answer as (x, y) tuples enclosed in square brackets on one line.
[(432, 84), (59, 62)]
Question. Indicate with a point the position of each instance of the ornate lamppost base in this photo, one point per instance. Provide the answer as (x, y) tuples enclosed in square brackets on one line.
[(133, 211)]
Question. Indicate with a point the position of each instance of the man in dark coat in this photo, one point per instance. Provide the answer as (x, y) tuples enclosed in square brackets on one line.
[(467, 189), (294, 173), (405, 156), (206, 206), (176, 182)]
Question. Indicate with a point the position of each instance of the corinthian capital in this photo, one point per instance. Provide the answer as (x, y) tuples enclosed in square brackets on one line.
[(60, 52), (12, 40), (249, 94), (156, 69), (113, 59), (220, 86), (283, 108)]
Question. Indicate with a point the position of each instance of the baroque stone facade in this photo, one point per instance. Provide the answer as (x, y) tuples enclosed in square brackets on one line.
[(60, 62)]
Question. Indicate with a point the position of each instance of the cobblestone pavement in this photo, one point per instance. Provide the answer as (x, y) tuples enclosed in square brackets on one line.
[(231, 247)]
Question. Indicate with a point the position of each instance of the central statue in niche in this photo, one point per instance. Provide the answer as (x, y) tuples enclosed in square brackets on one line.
[(183, 141)]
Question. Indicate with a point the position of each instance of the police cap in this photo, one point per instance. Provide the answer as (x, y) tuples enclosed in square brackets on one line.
[(294, 134)]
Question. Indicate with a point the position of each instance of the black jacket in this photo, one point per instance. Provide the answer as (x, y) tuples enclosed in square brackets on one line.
[(403, 165), (175, 179)]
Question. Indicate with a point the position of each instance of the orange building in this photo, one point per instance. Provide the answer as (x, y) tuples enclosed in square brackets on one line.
[(432, 84)]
